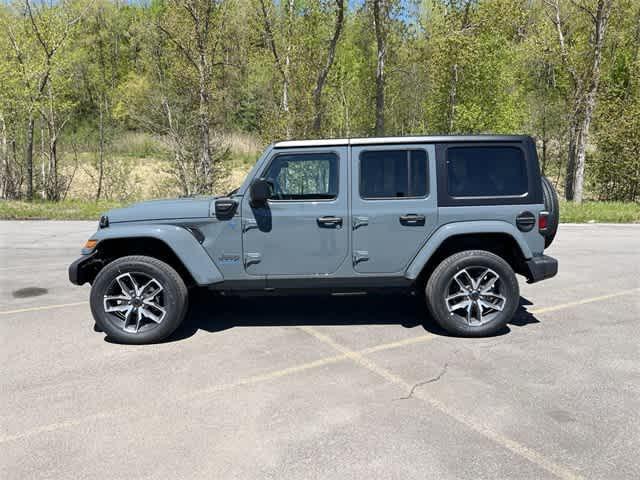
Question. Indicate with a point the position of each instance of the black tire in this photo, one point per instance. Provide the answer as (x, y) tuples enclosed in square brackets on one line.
[(441, 281), (173, 298), (552, 205)]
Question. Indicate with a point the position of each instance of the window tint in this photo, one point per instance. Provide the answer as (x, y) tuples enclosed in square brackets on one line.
[(304, 176), (486, 171), (393, 173)]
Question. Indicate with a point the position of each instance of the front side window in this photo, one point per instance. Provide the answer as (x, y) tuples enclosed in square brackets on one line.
[(393, 174), (486, 171), (309, 176)]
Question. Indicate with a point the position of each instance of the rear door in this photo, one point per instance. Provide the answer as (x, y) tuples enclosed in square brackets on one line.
[(394, 205), (303, 229)]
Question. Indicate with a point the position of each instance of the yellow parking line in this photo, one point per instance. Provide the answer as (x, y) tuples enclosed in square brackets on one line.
[(522, 450), (217, 388), (400, 343), (563, 306), (43, 307)]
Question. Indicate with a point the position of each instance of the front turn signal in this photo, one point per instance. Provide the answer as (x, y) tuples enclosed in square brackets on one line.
[(90, 244)]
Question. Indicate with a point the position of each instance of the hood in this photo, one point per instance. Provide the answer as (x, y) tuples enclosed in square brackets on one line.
[(177, 208)]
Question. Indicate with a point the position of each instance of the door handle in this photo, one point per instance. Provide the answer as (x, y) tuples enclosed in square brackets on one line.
[(412, 219), (360, 222), (251, 257), (330, 221)]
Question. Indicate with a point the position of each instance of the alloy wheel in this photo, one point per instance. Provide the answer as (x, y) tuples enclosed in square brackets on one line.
[(474, 295), (136, 302)]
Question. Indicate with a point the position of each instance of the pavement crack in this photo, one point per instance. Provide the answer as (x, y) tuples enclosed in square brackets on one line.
[(420, 384)]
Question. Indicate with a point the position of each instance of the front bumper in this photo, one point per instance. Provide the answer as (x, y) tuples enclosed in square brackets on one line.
[(540, 267), (80, 269)]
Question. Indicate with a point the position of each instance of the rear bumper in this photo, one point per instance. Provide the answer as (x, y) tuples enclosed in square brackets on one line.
[(540, 268), (78, 270)]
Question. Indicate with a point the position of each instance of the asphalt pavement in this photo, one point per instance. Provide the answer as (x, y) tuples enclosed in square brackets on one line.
[(328, 387)]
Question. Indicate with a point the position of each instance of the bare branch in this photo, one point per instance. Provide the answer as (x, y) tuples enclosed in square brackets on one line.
[(272, 42), (324, 71), (36, 30), (180, 47), (585, 9), (555, 18)]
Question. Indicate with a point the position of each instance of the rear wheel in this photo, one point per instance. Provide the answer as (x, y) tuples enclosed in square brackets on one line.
[(138, 300), (473, 293)]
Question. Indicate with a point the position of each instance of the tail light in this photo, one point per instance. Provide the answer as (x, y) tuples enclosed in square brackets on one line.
[(543, 220)]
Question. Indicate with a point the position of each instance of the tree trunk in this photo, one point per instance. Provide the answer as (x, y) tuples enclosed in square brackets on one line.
[(571, 161), (281, 66), (100, 151), (544, 139), (381, 56), (28, 156), (453, 93), (585, 102), (285, 95), (5, 188), (287, 69), (53, 190), (43, 168), (205, 154), (322, 76)]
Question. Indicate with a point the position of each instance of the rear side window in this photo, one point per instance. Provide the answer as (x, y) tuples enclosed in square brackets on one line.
[(486, 171), (393, 174), (309, 176)]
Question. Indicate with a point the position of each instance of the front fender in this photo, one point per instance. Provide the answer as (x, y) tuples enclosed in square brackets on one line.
[(185, 246), (463, 228)]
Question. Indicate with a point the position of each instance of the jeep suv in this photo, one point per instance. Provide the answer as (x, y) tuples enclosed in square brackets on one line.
[(452, 217)]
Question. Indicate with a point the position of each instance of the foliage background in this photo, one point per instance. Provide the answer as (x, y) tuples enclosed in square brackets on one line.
[(119, 96)]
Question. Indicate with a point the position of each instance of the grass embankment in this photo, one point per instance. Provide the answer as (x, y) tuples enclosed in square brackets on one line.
[(66, 210), (598, 212)]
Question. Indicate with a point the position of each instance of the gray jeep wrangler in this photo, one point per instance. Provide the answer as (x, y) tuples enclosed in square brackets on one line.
[(453, 217)]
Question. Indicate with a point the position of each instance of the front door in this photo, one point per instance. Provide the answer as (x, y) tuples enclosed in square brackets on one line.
[(303, 229), (394, 205)]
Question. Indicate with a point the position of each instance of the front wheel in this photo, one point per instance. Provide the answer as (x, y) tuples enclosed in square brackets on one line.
[(138, 300), (473, 293)]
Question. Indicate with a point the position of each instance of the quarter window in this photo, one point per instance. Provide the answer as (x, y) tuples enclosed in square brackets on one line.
[(312, 176), (486, 172), (393, 174)]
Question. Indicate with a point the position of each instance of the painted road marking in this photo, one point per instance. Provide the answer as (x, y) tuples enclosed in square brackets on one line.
[(356, 356), (43, 307), (563, 306), (219, 388), (34, 266), (528, 453)]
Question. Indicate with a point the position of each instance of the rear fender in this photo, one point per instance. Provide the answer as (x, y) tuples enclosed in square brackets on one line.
[(463, 228)]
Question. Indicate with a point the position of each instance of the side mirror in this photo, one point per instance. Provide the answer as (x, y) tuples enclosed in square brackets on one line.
[(225, 208), (261, 191)]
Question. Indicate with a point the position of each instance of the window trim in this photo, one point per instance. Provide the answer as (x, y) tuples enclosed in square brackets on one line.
[(397, 148), (533, 195), (335, 153)]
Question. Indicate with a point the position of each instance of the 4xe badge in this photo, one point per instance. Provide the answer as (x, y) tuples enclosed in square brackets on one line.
[(229, 258)]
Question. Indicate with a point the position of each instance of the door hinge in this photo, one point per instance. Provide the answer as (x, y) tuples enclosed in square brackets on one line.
[(360, 256), (248, 224), (251, 258), (360, 222)]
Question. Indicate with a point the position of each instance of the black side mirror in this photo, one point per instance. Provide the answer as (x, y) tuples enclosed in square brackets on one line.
[(261, 191), (225, 208)]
